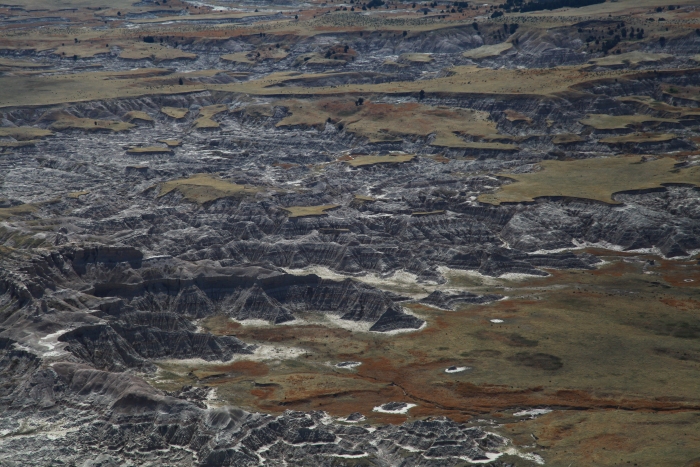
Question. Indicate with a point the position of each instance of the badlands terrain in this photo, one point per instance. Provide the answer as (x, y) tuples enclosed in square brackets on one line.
[(361, 233)]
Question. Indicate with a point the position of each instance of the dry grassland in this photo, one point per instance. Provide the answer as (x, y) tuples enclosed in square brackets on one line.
[(171, 143), (602, 10), (6, 213), (47, 90), (203, 188), (81, 49), (155, 52), (137, 115), (619, 122), (639, 138), (463, 79), (24, 133), (596, 179), (365, 161), (149, 150), (205, 121), (686, 92), (174, 112), (18, 91), (391, 122), (630, 58), (513, 116), (124, 5), (566, 138), (256, 56), (309, 211), (318, 59), (18, 144), (199, 17), (481, 145), (64, 121), (486, 51), (659, 106), (415, 58), (239, 57), (11, 63), (260, 110)]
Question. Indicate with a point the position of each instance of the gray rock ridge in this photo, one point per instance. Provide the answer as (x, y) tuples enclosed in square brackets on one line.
[(117, 281), (117, 347), (76, 411), (249, 292)]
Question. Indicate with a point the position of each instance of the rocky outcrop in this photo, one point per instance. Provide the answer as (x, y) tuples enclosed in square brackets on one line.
[(666, 221), (117, 347), (450, 301), (132, 423)]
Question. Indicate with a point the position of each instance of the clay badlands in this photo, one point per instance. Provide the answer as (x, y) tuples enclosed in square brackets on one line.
[(360, 233)]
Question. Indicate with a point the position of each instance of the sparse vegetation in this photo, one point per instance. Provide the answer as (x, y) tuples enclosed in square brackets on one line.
[(486, 51), (205, 120), (639, 138), (24, 133), (20, 210), (204, 188), (61, 121), (632, 59), (155, 52), (364, 161), (174, 112), (149, 150), (136, 115), (596, 179), (309, 211), (388, 122), (171, 143), (618, 122), (566, 139), (415, 58)]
